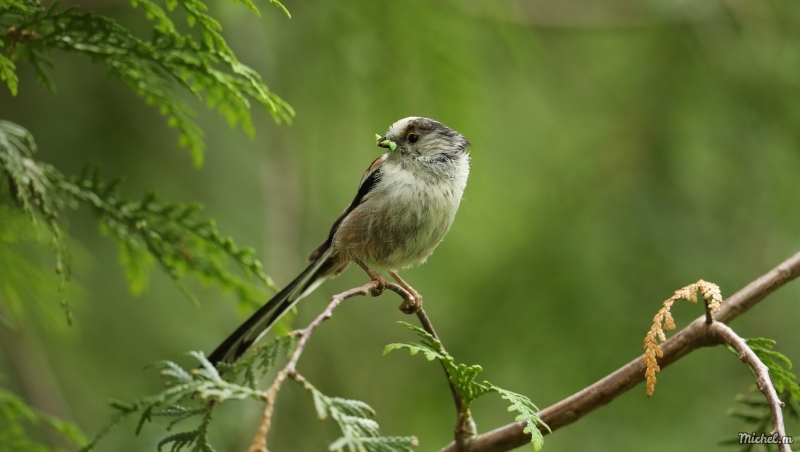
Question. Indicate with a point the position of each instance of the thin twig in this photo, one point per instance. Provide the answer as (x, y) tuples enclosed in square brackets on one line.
[(373, 288), (425, 321), (746, 354), (465, 428), (694, 336), (709, 314)]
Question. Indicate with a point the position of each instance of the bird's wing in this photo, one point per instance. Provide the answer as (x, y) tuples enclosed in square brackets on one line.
[(371, 177), (322, 266)]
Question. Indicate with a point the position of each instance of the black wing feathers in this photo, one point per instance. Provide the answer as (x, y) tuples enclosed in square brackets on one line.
[(322, 266), (371, 177)]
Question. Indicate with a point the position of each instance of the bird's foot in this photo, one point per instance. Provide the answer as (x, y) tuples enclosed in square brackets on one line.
[(378, 287), (379, 283), (412, 300), (411, 304)]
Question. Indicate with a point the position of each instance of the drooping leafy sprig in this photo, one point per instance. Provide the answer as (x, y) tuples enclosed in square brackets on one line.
[(189, 393), (147, 231), (32, 193), (153, 68), (194, 393)]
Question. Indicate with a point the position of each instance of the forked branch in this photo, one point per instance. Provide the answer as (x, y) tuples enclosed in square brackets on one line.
[(726, 335), (695, 335), (373, 288), (465, 426)]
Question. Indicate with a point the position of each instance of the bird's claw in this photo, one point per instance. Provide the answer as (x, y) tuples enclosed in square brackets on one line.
[(412, 304), (378, 287), (379, 283)]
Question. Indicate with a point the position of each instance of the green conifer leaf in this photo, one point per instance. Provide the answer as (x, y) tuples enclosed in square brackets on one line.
[(527, 412), (8, 73), (359, 431), (137, 262), (779, 366), (413, 349)]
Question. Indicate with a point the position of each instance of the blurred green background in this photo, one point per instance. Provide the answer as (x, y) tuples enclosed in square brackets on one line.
[(621, 150)]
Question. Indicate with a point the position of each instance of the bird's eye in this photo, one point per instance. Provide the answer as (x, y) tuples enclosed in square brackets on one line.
[(413, 138)]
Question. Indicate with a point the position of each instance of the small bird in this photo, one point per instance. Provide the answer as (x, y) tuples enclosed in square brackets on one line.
[(404, 207)]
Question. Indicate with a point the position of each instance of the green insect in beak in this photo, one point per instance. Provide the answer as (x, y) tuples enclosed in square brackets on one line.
[(384, 143)]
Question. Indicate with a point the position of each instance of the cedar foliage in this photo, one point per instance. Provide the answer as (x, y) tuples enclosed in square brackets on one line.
[(463, 376), (34, 196), (154, 231)]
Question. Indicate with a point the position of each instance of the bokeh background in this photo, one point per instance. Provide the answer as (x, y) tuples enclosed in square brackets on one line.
[(621, 150)]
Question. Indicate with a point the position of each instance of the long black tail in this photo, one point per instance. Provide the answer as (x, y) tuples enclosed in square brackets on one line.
[(260, 322)]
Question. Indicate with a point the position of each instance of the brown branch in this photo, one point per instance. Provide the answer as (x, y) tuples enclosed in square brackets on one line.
[(694, 336), (709, 312), (725, 334), (373, 288), (465, 428)]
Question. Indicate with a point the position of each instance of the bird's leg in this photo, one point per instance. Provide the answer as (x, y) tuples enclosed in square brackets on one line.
[(375, 276), (408, 306)]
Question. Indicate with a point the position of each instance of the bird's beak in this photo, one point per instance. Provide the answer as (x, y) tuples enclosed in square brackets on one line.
[(384, 143)]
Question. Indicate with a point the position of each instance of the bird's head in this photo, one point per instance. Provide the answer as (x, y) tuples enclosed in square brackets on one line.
[(422, 137)]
